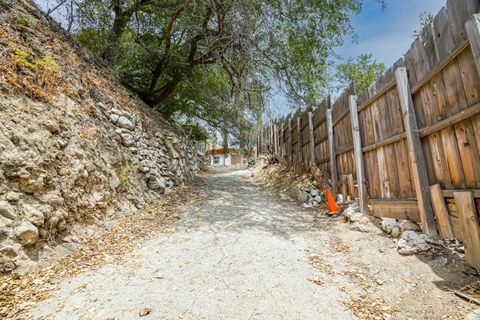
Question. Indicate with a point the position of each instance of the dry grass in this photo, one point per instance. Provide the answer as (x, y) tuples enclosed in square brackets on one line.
[(21, 71), (25, 32), (361, 279), (25, 29)]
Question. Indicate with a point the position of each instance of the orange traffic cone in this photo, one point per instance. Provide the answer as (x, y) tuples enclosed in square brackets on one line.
[(331, 204)]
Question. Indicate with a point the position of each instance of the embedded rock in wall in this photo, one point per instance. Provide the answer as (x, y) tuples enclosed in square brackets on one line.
[(27, 233), (7, 210), (59, 170), (85, 155)]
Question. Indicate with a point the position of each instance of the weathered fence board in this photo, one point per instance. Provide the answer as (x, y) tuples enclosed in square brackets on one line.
[(358, 153), (343, 141), (320, 131), (418, 128)]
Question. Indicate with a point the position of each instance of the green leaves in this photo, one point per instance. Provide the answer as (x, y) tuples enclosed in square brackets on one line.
[(195, 131), (215, 60), (362, 71), (94, 39)]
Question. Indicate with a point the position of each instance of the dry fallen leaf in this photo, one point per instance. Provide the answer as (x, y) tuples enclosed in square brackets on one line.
[(317, 281), (369, 309), (340, 247), (410, 282), (20, 292), (319, 263)]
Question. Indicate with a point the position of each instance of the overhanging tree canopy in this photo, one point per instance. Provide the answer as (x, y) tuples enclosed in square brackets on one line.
[(207, 58)]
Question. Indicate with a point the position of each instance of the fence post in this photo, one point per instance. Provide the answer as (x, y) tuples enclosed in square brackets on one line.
[(282, 140), (258, 146), (415, 152), (290, 142), (473, 32), (270, 140), (266, 133), (261, 139), (331, 151), (357, 147), (311, 138), (275, 139), (300, 142)]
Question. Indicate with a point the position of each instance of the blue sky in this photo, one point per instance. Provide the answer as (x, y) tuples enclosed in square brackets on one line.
[(387, 34)]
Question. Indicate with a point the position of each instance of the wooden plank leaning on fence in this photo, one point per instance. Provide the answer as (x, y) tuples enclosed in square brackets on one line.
[(357, 146), (415, 154), (300, 142), (282, 141), (331, 151), (275, 139), (289, 146), (441, 213), (311, 139), (469, 225)]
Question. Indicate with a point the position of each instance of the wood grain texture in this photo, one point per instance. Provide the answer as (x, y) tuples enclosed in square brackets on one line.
[(452, 156), (468, 153), (439, 161), (311, 138), (441, 213), (472, 27), (404, 173), (396, 209), (331, 146), (362, 191), (468, 221), (416, 156), (413, 136)]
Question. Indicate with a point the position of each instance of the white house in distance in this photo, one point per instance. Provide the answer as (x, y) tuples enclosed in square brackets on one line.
[(233, 157)]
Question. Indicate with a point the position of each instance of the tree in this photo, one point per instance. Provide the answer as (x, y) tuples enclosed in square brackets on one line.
[(64, 10), (283, 40), (195, 132), (210, 58), (362, 71)]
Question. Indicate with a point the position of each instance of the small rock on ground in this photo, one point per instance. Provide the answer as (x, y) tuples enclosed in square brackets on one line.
[(144, 312), (412, 242), (474, 315)]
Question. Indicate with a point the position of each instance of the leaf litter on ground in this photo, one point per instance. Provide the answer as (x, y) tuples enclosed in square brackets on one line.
[(18, 293)]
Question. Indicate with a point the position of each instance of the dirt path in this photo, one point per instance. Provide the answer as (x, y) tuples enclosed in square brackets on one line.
[(246, 255)]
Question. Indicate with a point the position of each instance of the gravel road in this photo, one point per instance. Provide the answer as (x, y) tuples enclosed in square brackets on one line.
[(243, 254)]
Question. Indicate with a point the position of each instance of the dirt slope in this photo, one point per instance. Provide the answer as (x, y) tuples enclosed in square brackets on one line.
[(76, 148)]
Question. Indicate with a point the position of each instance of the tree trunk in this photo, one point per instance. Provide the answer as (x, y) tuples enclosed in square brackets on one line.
[(153, 99), (119, 24)]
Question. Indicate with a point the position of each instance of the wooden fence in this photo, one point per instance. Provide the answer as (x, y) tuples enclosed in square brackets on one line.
[(409, 145)]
